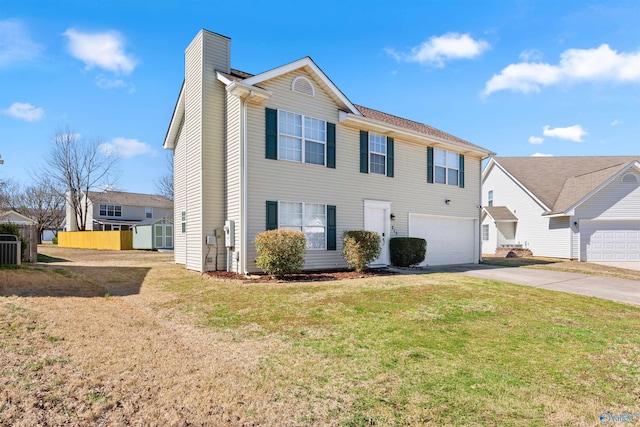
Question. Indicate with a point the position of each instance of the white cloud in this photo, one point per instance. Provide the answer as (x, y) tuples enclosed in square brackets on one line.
[(107, 83), (616, 122), (576, 65), (531, 55), (439, 49), (125, 147), (24, 111), (572, 133), (15, 43), (541, 155), (536, 140), (103, 50)]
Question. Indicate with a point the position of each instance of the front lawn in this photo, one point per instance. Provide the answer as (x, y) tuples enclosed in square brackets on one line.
[(437, 349)]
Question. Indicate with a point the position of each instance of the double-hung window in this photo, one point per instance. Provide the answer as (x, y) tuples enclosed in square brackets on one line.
[(110, 210), (148, 213), (310, 218), (446, 167), (377, 153), (490, 198), (301, 138), (485, 232)]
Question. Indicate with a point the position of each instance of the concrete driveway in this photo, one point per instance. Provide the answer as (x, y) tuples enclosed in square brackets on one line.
[(622, 290)]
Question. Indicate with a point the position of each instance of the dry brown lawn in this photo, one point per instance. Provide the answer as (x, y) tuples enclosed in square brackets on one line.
[(84, 346)]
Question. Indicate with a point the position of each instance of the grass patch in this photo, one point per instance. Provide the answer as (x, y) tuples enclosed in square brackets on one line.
[(437, 348)]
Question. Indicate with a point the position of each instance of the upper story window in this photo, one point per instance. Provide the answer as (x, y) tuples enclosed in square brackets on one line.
[(111, 210), (148, 213), (301, 138), (446, 167), (490, 198), (377, 153)]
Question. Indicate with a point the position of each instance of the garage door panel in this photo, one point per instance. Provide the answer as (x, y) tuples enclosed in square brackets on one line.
[(610, 240), (449, 240)]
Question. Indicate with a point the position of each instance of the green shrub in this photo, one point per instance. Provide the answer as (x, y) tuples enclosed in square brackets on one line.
[(54, 241), (360, 247), (280, 252), (407, 251)]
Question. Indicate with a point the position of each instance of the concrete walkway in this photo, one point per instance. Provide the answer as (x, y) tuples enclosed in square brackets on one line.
[(610, 288)]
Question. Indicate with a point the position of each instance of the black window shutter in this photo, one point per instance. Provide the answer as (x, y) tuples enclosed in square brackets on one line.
[(271, 126), (331, 228), (430, 165), (331, 145), (461, 171), (272, 215), (390, 157), (364, 151)]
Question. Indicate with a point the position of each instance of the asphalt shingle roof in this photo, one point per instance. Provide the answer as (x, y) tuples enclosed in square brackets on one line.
[(130, 199), (500, 213)]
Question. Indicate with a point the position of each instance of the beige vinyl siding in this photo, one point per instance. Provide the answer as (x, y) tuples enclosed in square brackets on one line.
[(345, 187), (179, 197), (216, 55), (234, 173), (193, 128)]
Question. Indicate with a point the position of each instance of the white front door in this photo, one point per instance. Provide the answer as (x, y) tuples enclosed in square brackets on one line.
[(376, 218)]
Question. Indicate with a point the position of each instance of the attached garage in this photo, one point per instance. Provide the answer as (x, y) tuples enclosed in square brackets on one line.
[(610, 240), (449, 240)]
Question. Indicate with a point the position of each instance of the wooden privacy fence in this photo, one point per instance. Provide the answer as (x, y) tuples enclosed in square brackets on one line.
[(109, 240), (30, 234)]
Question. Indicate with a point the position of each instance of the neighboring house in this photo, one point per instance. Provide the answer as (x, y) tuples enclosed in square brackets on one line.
[(287, 149), (585, 208), (117, 210), (15, 218)]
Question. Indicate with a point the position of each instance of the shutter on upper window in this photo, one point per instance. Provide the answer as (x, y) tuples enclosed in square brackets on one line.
[(390, 157), (430, 165), (331, 145), (461, 185), (364, 151), (331, 228), (271, 127), (272, 215)]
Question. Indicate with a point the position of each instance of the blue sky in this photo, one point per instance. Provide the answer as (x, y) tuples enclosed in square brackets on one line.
[(517, 77)]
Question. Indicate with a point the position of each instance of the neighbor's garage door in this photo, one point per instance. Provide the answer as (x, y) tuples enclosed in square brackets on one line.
[(449, 240), (610, 240)]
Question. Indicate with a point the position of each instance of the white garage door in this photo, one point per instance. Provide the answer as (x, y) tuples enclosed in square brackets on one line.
[(449, 240), (610, 240)]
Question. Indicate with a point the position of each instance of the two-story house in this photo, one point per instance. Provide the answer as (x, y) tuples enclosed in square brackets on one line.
[(287, 149), (119, 211)]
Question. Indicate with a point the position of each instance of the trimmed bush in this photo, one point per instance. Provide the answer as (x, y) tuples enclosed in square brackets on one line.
[(280, 252), (54, 241), (407, 251), (360, 247)]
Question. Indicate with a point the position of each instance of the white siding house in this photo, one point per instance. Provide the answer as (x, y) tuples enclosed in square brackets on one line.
[(585, 208), (287, 149)]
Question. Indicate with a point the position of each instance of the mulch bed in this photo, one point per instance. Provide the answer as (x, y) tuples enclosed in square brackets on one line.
[(307, 276)]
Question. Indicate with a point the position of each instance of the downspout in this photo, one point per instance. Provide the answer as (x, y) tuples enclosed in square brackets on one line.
[(243, 197)]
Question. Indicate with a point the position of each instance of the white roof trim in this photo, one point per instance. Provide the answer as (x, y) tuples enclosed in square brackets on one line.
[(387, 129), (174, 125), (571, 210), (243, 91), (301, 63), (493, 162)]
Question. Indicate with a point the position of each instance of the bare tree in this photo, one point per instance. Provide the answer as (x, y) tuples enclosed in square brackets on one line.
[(43, 203), (77, 166), (9, 194), (164, 184)]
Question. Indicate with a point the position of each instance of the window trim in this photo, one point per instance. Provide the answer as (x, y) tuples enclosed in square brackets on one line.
[(116, 210), (377, 153), (303, 226), (490, 198), (633, 176), (446, 167), (302, 139), (485, 232), (148, 210)]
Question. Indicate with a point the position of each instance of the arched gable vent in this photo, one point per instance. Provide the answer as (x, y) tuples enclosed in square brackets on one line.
[(303, 85), (630, 178)]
